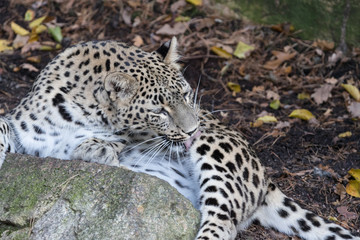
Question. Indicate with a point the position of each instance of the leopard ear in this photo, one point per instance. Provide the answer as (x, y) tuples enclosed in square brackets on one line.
[(121, 86), (168, 51)]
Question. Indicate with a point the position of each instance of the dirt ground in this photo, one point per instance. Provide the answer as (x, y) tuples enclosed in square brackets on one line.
[(307, 159)]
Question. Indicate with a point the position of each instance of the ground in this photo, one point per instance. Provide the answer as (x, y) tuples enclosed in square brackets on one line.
[(307, 159)]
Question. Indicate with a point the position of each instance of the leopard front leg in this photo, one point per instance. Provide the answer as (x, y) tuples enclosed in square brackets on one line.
[(99, 151), (5, 140)]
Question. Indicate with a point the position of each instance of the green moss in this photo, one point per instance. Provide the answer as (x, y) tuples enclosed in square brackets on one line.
[(315, 18)]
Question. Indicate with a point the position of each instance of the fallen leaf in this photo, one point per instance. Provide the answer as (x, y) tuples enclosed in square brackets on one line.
[(30, 47), (29, 15), (283, 27), (267, 119), (354, 109), (182, 19), (243, 50), (4, 45), (195, 2), (221, 52), (324, 45), (345, 134), (34, 59), (41, 28), (303, 96), (29, 67), (56, 33), (37, 22), (281, 125), (20, 41), (342, 210), (176, 5), (272, 95), (322, 93), (302, 114), (355, 173), (257, 123), (331, 81), (138, 41), (234, 87), (260, 88), (354, 91), (178, 28), (353, 188), (280, 58), (340, 190), (275, 104), (18, 29)]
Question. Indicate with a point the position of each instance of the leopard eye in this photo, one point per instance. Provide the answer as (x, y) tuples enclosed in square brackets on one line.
[(160, 111)]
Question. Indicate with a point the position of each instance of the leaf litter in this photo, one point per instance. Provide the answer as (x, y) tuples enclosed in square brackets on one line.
[(270, 70)]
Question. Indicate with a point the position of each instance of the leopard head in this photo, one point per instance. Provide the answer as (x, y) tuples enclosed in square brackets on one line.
[(152, 94)]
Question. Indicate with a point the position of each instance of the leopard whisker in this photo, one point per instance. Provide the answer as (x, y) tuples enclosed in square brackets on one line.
[(141, 143)]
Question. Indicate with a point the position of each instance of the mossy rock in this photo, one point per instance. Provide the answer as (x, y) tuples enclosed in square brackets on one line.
[(55, 199)]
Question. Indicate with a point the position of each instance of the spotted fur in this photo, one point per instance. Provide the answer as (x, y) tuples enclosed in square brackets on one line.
[(91, 98), (226, 181), (96, 100)]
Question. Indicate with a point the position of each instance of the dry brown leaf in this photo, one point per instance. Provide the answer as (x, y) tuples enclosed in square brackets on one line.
[(176, 5), (138, 41), (30, 47), (204, 23), (324, 45), (126, 16), (280, 58), (331, 81), (342, 210), (354, 109), (340, 190), (272, 95), (20, 41), (178, 28), (29, 67), (322, 93), (282, 125)]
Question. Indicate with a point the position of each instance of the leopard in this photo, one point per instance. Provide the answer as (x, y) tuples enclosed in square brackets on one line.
[(220, 173), (113, 104), (94, 97)]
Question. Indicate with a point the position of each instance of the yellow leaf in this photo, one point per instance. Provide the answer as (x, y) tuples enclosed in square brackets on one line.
[(29, 15), (242, 49), (221, 52), (353, 188), (354, 91), (302, 114), (234, 87), (39, 29), (275, 104), (267, 119), (4, 45), (334, 219), (46, 48), (345, 134), (37, 22), (195, 2), (303, 96), (355, 173), (18, 29), (182, 19)]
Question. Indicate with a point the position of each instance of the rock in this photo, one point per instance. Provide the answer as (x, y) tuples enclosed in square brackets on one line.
[(56, 199)]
